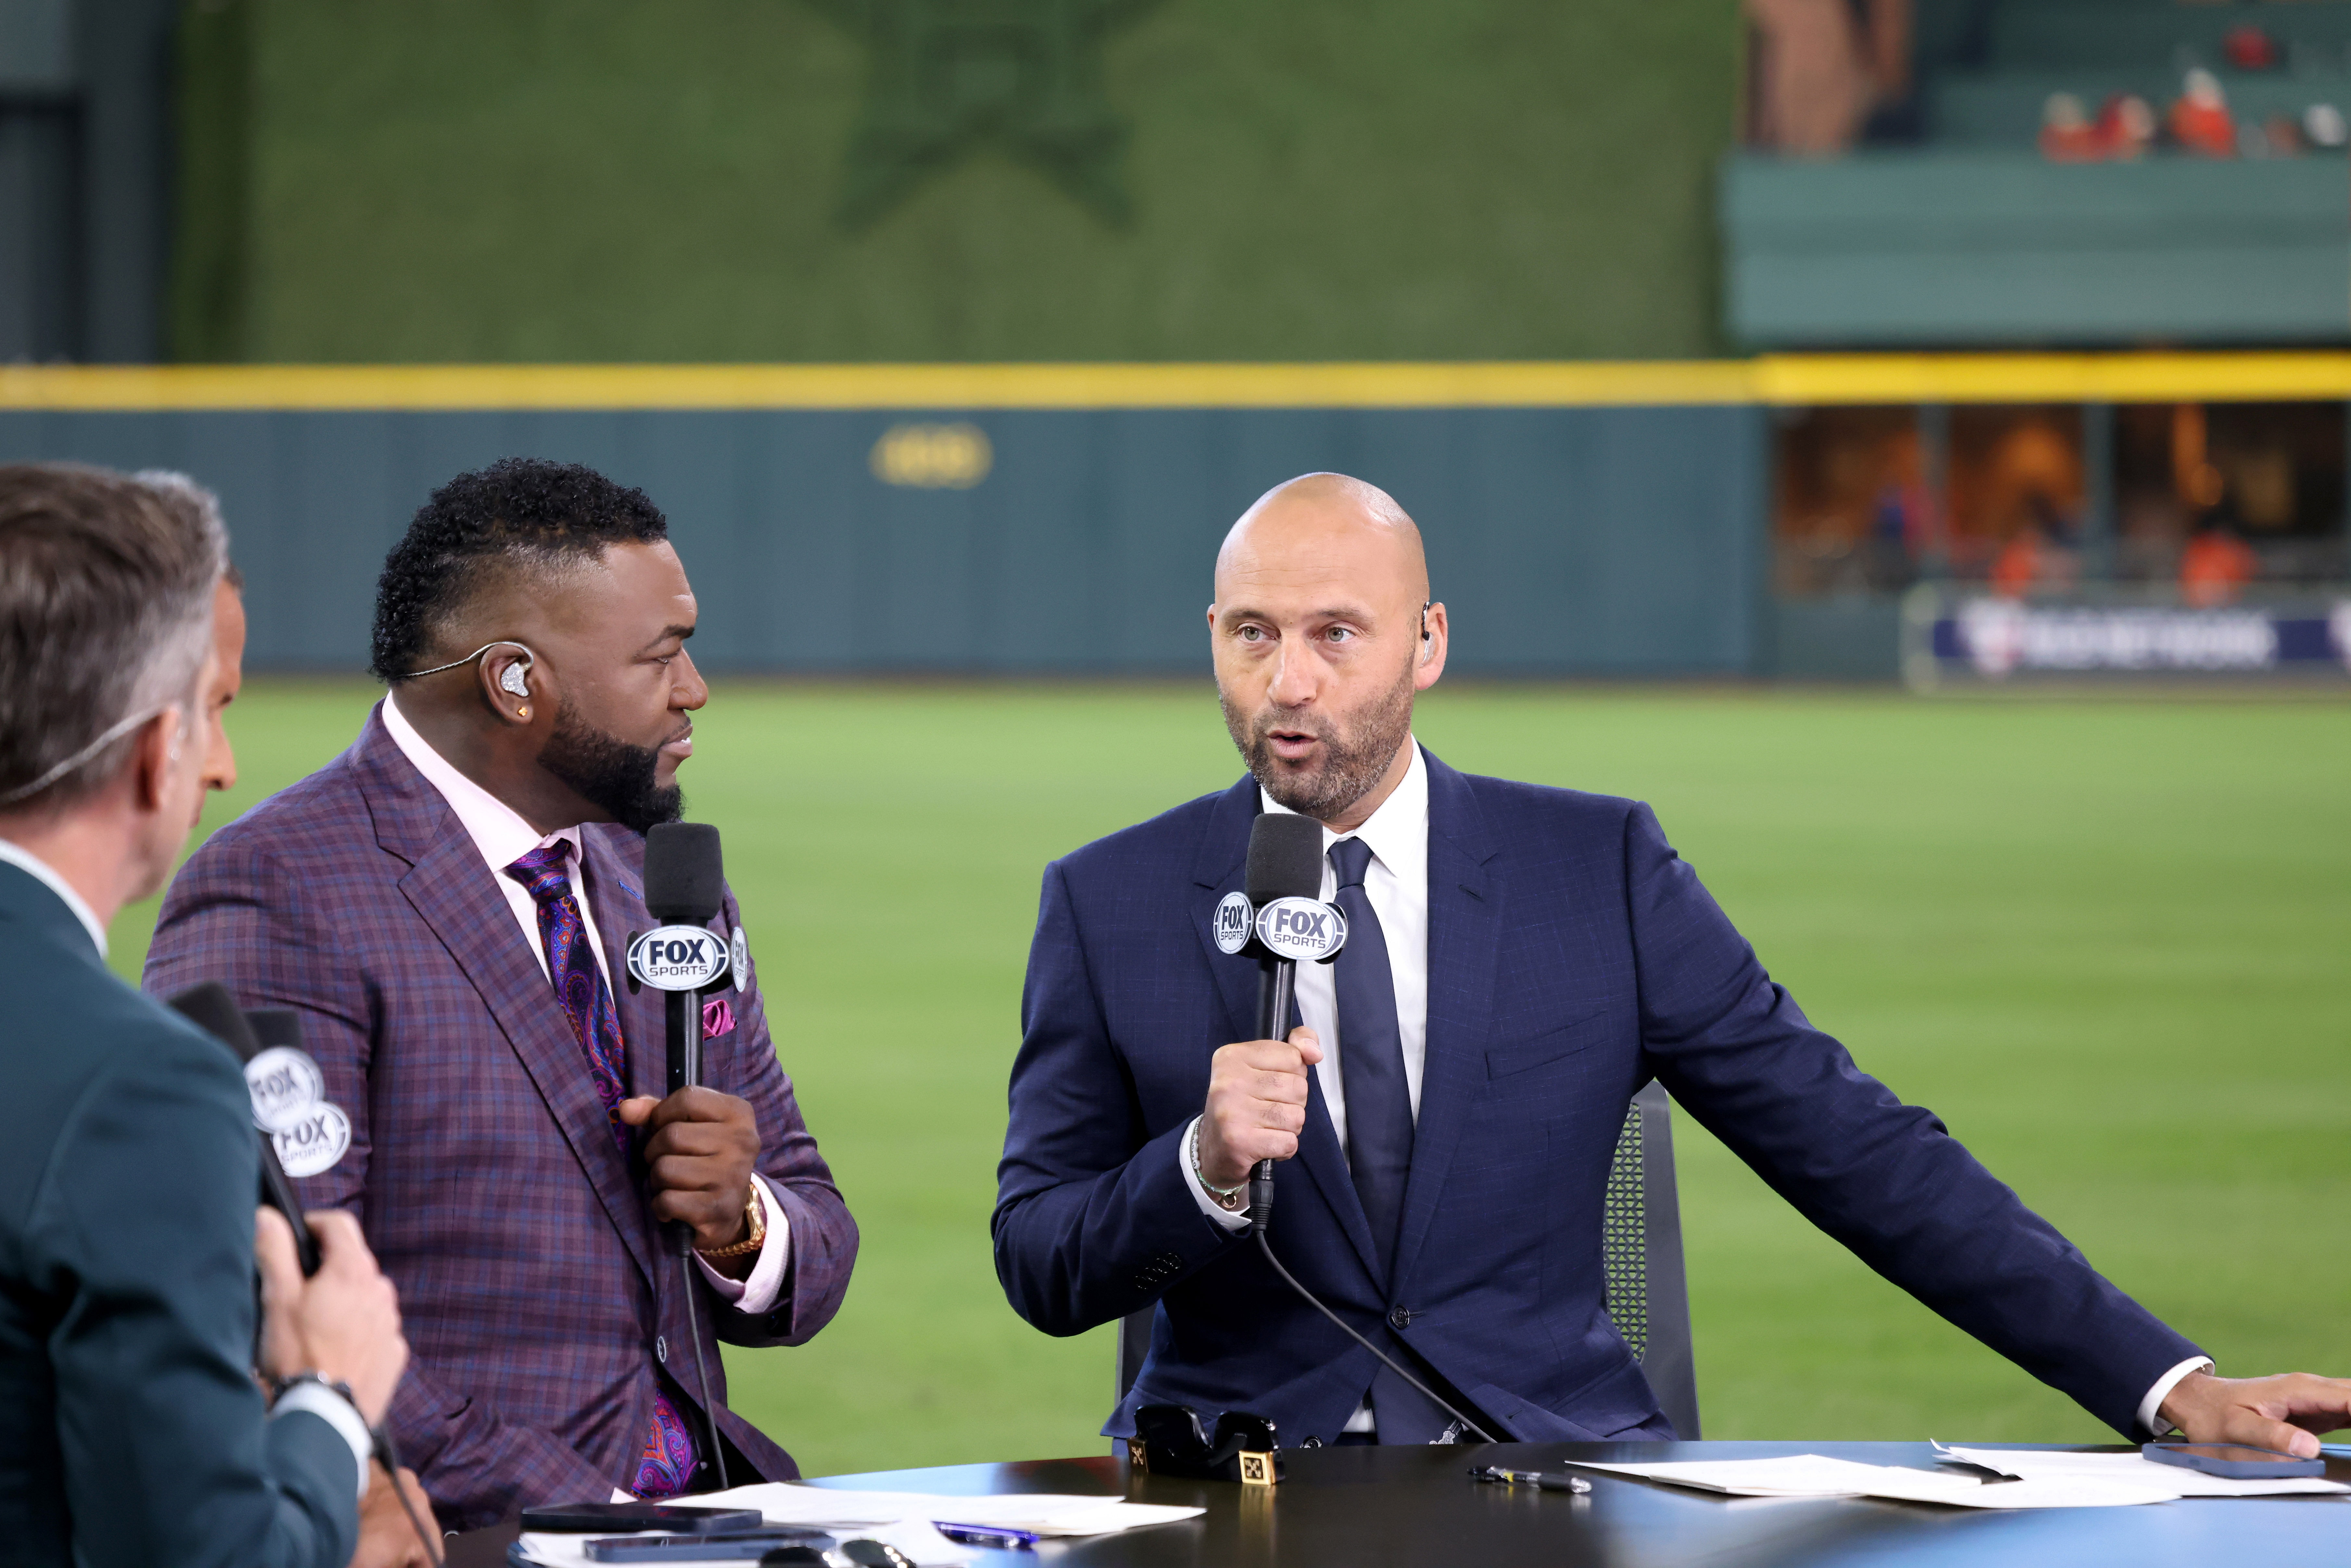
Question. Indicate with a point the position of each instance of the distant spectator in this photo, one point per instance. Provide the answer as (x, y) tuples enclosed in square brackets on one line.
[(2123, 130), (2126, 126), (2215, 567), (2200, 121), (1897, 535), (2038, 558), (2248, 48), (2016, 570), (1820, 66), (2282, 137), (2067, 136)]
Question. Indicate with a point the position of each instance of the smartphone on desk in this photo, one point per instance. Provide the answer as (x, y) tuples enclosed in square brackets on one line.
[(726, 1546), (593, 1517), (2234, 1461)]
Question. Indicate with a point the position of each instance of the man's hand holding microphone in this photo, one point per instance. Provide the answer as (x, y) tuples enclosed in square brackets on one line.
[(343, 1324), (700, 1150), (1257, 1105)]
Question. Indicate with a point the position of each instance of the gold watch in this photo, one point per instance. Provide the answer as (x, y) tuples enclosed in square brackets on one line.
[(755, 1215)]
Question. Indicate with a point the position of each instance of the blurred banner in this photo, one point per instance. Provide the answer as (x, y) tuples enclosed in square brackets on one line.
[(1956, 635)]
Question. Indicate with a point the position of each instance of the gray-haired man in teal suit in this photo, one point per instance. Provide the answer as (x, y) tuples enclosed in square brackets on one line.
[(134, 1428)]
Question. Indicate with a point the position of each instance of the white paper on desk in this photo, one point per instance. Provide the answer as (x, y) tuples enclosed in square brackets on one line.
[(2129, 1469), (1815, 1475), (1044, 1513)]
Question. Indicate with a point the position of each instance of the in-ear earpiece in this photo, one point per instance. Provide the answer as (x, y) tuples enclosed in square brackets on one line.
[(513, 681)]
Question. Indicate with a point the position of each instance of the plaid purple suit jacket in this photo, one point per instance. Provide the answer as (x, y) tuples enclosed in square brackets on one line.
[(534, 1288)]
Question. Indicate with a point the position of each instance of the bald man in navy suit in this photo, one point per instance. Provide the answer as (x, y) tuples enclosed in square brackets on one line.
[(1519, 961)]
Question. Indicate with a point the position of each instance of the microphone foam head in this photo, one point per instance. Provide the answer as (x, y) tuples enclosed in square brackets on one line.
[(1285, 858), (210, 1008), (683, 875)]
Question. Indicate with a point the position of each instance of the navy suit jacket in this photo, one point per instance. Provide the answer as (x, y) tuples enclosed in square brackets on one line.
[(1571, 956)]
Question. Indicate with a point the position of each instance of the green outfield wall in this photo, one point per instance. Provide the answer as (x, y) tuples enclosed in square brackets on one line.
[(1582, 518), (1012, 541), (678, 180)]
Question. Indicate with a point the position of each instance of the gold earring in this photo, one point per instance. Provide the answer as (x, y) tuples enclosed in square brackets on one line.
[(524, 711)]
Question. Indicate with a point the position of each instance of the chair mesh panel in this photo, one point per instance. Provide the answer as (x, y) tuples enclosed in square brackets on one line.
[(1623, 1239)]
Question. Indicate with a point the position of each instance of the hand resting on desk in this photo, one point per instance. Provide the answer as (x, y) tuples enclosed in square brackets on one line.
[(2284, 1413)]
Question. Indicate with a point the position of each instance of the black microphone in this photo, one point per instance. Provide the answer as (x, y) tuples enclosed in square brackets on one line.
[(1285, 861), (685, 882), (211, 1009)]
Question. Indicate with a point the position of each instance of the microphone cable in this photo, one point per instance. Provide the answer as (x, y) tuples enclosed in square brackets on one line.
[(1266, 1247), (1286, 860), (388, 1458), (701, 1368)]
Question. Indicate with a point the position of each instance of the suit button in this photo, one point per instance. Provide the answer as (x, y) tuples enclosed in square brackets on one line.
[(1399, 1317), (661, 1349)]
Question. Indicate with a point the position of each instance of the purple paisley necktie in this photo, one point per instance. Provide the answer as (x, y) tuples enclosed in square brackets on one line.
[(667, 1463)]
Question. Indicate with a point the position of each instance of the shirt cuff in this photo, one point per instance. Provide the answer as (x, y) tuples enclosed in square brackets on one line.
[(337, 1412), (759, 1292), (2150, 1417), (1208, 1206)]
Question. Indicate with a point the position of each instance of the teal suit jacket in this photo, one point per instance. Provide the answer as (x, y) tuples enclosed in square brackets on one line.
[(131, 1428)]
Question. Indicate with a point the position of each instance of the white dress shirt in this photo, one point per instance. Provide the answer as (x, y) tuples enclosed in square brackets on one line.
[(503, 837), (1395, 883)]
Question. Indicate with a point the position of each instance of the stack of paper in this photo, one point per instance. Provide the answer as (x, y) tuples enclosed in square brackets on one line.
[(2127, 1470), (904, 1520), (1043, 1513), (1815, 1475)]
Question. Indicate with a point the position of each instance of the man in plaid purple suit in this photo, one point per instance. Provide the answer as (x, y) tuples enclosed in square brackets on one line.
[(444, 906)]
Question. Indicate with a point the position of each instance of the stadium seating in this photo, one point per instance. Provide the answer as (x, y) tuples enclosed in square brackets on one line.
[(1970, 235)]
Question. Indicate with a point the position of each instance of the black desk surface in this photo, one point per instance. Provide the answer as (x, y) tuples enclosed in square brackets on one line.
[(1370, 1507)]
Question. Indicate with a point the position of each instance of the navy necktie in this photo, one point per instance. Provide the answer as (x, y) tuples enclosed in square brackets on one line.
[(1370, 1056), (1379, 1116)]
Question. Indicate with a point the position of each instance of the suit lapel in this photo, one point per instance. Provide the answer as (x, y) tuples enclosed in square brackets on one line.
[(1220, 869), (1216, 871), (1464, 926), (455, 894)]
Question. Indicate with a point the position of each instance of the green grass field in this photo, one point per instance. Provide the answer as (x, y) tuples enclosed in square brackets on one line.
[(2105, 940)]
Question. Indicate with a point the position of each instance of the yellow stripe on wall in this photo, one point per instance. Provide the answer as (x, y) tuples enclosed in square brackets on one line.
[(1783, 380)]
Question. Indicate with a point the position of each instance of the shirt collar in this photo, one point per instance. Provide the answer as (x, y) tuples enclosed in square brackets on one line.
[(1398, 831), (40, 871), (498, 829)]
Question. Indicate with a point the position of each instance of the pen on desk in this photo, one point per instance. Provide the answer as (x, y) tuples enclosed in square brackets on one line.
[(1530, 1479), (986, 1535)]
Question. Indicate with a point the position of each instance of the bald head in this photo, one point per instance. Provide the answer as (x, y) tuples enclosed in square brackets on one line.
[(1332, 522), (1323, 632)]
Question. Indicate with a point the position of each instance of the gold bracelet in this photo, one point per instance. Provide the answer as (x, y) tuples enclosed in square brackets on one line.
[(755, 1215)]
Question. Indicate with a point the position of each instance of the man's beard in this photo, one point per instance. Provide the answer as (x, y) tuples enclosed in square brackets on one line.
[(610, 773), (1350, 768)]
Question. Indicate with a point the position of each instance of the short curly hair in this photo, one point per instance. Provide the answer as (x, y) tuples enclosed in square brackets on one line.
[(520, 512)]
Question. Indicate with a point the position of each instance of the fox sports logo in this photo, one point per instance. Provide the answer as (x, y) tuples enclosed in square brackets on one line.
[(1234, 918)]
